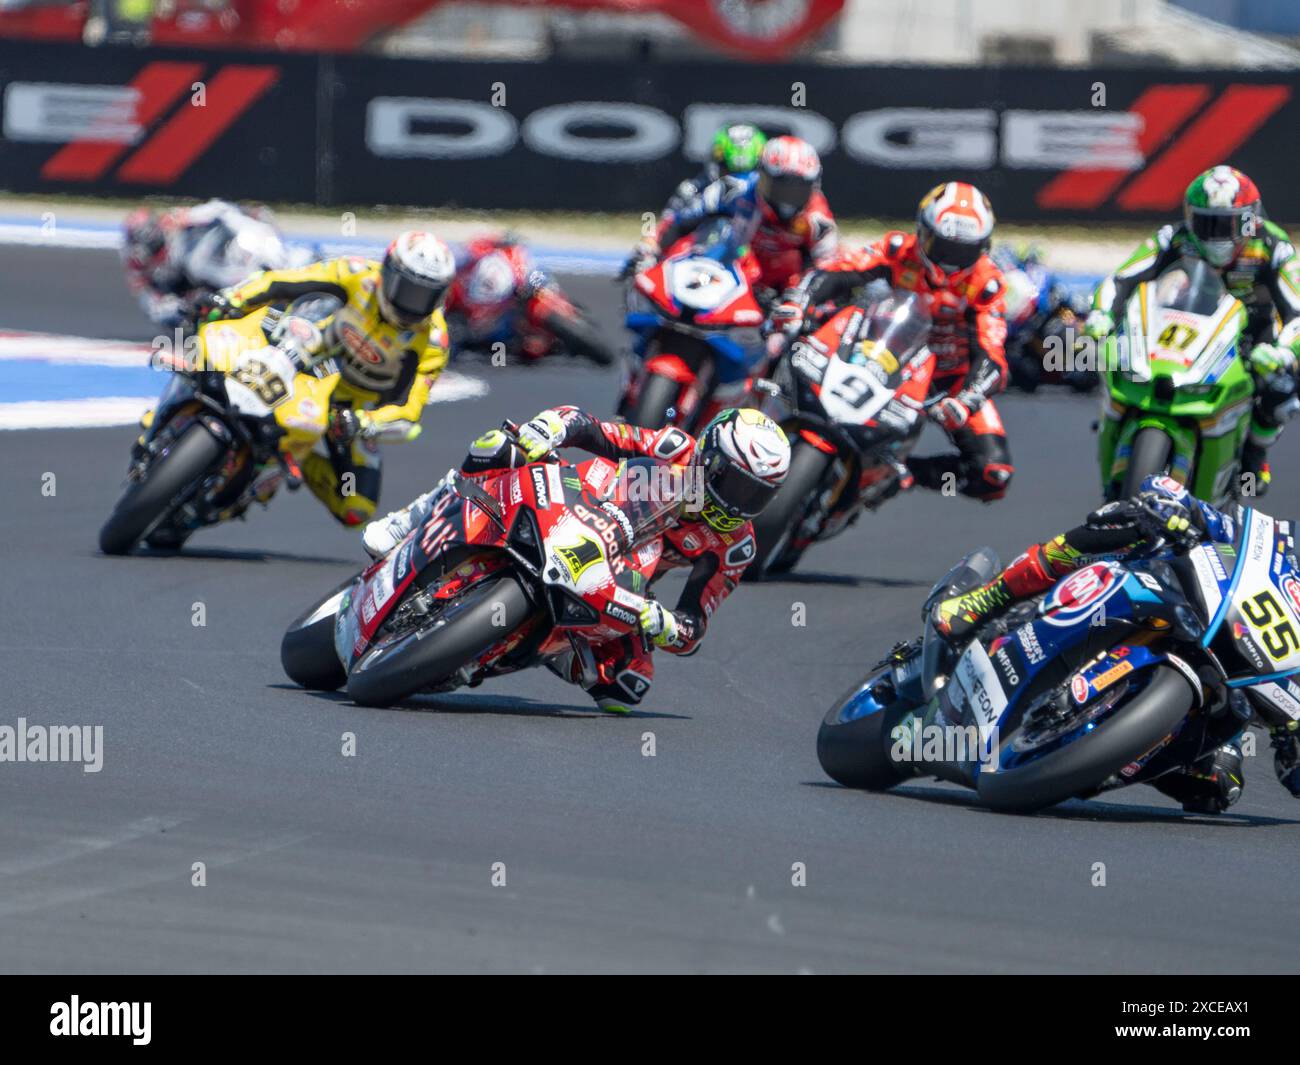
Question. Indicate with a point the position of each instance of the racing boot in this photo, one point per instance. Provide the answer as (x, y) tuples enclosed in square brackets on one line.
[(957, 618), (939, 473), (1256, 473), (1031, 574), (1210, 786), (384, 534)]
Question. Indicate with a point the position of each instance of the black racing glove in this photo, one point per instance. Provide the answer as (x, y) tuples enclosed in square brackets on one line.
[(1152, 517)]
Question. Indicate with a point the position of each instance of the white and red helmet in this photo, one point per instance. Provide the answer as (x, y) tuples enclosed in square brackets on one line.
[(954, 226), (745, 456), (788, 172), (416, 271)]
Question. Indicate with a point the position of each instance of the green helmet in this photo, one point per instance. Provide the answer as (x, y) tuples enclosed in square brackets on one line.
[(1222, 211), (738, 147)]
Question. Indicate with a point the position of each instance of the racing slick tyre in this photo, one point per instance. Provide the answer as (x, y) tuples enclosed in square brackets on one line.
[(854, 751), (580, 337), (145, 502), (1150, 455), (777, 521), (430, 654), (1080, 766), (307, 650), (658, 395)]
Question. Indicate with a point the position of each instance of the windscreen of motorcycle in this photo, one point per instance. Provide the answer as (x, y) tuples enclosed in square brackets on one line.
[(1185, 319)]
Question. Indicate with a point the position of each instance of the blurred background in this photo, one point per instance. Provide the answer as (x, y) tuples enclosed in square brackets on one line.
[(1062, 111)]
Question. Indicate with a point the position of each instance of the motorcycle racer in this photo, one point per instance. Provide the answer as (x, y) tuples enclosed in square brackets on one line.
[(1224, 224), (1163, 512), (741, 459), (778, 210), (736, 150), (174, 256), (946, 260), (391, 342)]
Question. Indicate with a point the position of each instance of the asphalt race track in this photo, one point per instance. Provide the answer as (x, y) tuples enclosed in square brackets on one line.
[(613, 861)]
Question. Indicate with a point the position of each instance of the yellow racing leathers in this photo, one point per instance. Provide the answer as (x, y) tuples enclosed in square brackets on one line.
[(385, 375)]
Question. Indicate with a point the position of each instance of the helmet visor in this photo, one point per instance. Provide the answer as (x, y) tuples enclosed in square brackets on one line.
[(787, 193), (1219, 225), (410, 300), (948, 254), (736, 490)]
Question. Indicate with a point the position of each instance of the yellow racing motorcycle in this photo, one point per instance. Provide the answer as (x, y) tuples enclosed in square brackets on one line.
[(243, 406)]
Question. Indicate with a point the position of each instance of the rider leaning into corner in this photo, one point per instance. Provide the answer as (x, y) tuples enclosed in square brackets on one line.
[(742, 457), (947, 261), (1224, 225), (778, 210), (391, 342), (1164, 512), (171, 256)]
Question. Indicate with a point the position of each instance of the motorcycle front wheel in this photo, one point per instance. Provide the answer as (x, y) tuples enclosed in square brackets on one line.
[(431, 654), (307, 649), (144, 502), (776, 523)]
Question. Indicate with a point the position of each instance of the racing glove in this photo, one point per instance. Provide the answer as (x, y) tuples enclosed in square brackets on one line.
[(214, 306), (1286, 756), (951, 412), (659, 624), (542, 435), (1099, 325), (1152, 517), (787, 316), (643, 255), (347, 424), (1268, 359)]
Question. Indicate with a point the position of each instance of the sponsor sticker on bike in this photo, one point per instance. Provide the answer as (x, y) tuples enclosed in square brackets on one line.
[(1079, 689), (1081, 593)]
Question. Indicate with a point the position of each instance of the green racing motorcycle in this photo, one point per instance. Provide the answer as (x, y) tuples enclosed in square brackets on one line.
[(1179, 393)]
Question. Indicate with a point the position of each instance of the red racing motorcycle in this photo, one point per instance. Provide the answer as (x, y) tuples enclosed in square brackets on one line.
[(510, 571), (697, 326), (500, 297)]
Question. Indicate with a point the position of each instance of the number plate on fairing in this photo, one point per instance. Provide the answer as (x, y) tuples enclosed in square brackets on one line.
[(852, 393), (1265, 608)]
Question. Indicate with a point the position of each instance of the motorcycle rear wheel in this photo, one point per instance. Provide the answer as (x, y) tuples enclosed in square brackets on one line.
[(145, 501), (430, 655), (1082, 765)]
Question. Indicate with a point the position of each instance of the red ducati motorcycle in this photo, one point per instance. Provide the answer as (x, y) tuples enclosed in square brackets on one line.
[(521, 568)]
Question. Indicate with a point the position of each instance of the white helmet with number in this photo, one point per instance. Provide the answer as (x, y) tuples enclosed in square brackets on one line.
[(745, 456), (416, 271)]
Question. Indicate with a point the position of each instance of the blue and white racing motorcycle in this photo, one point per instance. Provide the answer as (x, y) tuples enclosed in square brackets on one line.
[(1121, 673)]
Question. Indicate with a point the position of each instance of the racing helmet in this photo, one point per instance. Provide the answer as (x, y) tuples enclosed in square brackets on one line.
[(954, 226), (416, 271), (788, 172), (144, 240), (1222, 210), (745, 457), (738, 147)]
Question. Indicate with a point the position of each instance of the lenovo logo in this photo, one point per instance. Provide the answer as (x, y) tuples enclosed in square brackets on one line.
[(151, 130)]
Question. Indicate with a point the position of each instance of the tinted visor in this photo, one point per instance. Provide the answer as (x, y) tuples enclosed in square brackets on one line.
[(737, 491), (787, 193), (411, 300), (950, 255), (1219, 225)]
